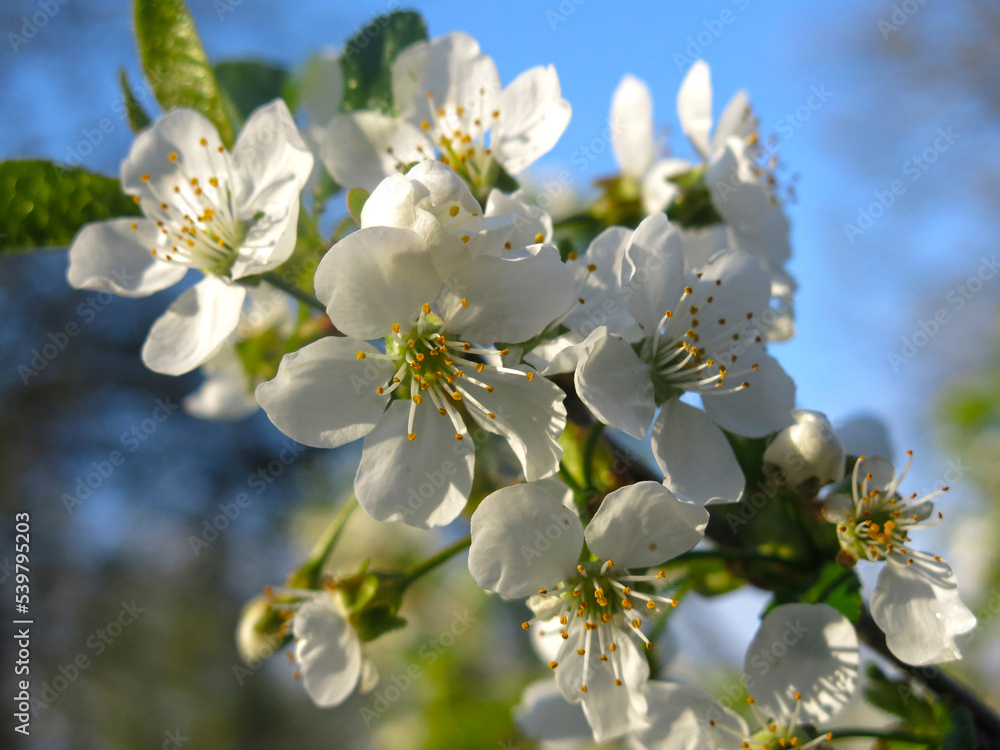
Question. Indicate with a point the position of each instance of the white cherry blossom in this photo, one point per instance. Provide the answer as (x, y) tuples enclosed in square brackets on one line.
[(228, 215), (800, 671), (635, 147), (228, 390), (526, 543), (410, 398), (698, 333), (916, 601), (331, 657), (451, 105)]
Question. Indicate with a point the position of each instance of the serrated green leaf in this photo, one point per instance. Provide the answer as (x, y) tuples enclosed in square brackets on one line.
[(44, 204), (250, 83), (368, 57), (137, 117), (175, 62)]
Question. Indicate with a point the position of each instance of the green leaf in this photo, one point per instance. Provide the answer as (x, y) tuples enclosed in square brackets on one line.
[(250, 83), (356, 198), (43, 204), (175, 62), (916, 707), (836, 586), (961, 733), (368, 57), (137, 117)]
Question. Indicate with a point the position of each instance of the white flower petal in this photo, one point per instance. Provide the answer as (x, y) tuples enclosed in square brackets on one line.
[(323, 395), (652, 277), (509, 299), (632, 127), (694, 455), (523, 539), (226, 393), (533, 116), (701, 244), (374, 278), (271, 163), (422, 482), (740, 290), (529, 413), (658, 192), (597, 273), (545, 716), (179, 132), (679, 719), (694, 106), (810, 649), (612, 710), (837, 508), (883, 473), (194, 325), (737, 121), (615, 384), (328, 651), (354, 147), (453, 69), (531, 221), (918, 608), (110, 256), (644, 524), (270, 241), (756, 221), (763, 408)]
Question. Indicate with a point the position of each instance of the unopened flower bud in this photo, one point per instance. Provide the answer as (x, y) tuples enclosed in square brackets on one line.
[(807, 455), (260, 632)]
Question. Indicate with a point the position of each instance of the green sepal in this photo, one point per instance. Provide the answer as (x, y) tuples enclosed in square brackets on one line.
[(137, 117)]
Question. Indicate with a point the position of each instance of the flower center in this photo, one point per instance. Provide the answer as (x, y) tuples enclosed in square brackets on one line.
[(459, 132), (882, 520), (599, 601), (195, 216), (430, 366), (681, 361)]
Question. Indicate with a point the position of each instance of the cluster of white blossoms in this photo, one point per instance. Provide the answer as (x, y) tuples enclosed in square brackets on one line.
[(451, 315)]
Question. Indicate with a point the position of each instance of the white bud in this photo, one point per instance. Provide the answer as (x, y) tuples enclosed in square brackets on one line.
[(257, 636), (807, 455)]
